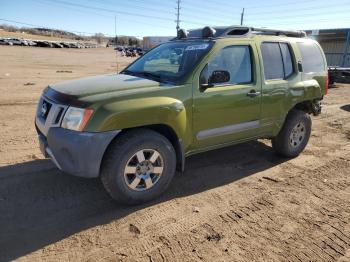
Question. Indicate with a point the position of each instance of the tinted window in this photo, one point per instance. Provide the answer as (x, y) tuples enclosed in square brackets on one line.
[(287, 60), (272, 59), (311, 56), (236, 60)]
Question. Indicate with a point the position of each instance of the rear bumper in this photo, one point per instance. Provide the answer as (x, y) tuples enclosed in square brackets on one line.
[(76, 153)]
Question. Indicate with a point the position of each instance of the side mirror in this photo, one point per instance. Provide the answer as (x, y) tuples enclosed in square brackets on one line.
[(219, 76)]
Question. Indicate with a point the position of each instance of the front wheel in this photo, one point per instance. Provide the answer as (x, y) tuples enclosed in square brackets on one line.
[(138, 166), (295, 134)]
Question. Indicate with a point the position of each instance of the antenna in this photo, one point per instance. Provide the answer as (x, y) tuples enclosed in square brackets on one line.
[(178, 15), (242, 16)]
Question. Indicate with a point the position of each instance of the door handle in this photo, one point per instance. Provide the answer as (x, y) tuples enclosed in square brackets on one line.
[(253, 93)]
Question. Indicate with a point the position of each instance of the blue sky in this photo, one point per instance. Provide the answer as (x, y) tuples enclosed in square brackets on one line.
[(157, 17)]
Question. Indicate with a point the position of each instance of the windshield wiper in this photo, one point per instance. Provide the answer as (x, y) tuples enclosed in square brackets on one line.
[(143, 74), (128, 72), (151, 75)]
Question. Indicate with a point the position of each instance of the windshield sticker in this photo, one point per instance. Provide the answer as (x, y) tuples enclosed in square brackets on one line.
[(197, 47)]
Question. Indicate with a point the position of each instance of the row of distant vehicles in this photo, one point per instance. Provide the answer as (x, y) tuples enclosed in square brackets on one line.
[(44, 43), (130, 51)]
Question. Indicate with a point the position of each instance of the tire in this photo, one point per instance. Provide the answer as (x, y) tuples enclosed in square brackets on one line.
[(294, 135), (147, 179)]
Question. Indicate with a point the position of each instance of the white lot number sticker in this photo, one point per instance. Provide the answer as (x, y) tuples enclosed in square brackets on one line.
[(197, 47)]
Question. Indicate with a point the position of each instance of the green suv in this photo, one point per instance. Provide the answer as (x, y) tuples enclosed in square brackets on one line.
[(207, 88)]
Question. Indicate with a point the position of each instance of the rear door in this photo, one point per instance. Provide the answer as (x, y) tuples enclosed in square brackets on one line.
[(279, 75)]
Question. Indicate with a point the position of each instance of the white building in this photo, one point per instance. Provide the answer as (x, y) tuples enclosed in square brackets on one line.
[(152, 41)]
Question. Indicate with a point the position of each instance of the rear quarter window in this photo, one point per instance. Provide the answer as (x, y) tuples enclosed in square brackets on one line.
[(312, 58)]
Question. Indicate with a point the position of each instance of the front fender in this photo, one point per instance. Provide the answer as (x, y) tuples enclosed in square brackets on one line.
[(139, 112)]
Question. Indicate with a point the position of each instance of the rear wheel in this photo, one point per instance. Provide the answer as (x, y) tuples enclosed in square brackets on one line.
[(295, 134), (138, 166)]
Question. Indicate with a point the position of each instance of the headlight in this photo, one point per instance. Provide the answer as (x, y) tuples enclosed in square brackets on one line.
[(76, 118)]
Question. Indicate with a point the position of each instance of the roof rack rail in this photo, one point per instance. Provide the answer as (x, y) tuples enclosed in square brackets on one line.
[(279, 32), (239, 31)]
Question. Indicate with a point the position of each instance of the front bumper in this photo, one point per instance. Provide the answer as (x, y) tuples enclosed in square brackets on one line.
[(76, 153)]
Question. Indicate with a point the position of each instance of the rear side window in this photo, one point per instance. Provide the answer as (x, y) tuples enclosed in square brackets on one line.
[(277, 59), (273, 63), (312, 58)]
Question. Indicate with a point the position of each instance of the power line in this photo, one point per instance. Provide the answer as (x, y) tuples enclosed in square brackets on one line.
[(39, 26), (118, 12), (77, 9), (301, 22), (133, 6), (281, 4), (109, 10), (301, 15), (289, 10), (162, 10)]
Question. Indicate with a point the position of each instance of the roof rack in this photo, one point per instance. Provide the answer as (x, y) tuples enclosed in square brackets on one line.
[(279, 32), (237, 31)]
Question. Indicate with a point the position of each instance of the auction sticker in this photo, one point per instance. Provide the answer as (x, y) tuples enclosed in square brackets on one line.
[(197, 47)]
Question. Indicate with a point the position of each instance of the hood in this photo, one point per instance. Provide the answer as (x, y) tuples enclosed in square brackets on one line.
[(102, 84)]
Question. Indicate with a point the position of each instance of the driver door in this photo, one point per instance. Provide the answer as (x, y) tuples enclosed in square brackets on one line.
[(230, 111)]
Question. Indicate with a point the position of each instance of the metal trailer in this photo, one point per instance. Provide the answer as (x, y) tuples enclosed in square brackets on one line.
[(335, 43), (336, 46), (152, 41)]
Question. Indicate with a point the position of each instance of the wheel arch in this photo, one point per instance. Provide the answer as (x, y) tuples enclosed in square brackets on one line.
[(165, 131), (308, 106)]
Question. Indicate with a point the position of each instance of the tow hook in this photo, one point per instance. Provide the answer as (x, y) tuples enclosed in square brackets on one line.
[(316, 107)]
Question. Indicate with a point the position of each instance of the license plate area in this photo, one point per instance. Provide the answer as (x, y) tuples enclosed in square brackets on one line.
[(44, 110)]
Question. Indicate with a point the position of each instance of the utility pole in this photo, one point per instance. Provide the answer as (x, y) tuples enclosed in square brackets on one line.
[(178, 15), (116, 41), (242, 16), (115, 25)]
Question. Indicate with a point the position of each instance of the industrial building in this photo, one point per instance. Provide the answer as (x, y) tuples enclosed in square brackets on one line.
[(335, 44), (152, 41)]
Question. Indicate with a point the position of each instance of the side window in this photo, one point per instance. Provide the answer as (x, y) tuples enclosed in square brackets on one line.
[(277, 59), (312, 58), (236, 60), (287, 60)]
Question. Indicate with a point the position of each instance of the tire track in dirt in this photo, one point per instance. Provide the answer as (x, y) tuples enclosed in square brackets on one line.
[(305, 231), (326, 240)]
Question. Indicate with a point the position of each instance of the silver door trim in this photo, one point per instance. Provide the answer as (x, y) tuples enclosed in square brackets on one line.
[(227, 130)]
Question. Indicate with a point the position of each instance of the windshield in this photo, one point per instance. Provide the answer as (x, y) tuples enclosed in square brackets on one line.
[(169, 62)]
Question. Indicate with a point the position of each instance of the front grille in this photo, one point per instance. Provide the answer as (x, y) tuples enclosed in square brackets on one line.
[(45, 109), (49, 114), (59, 115)]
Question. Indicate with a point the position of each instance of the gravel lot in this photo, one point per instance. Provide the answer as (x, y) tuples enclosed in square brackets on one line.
[(240, 203)]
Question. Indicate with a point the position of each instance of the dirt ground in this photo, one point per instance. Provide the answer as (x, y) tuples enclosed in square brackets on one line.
[(240, 203)]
